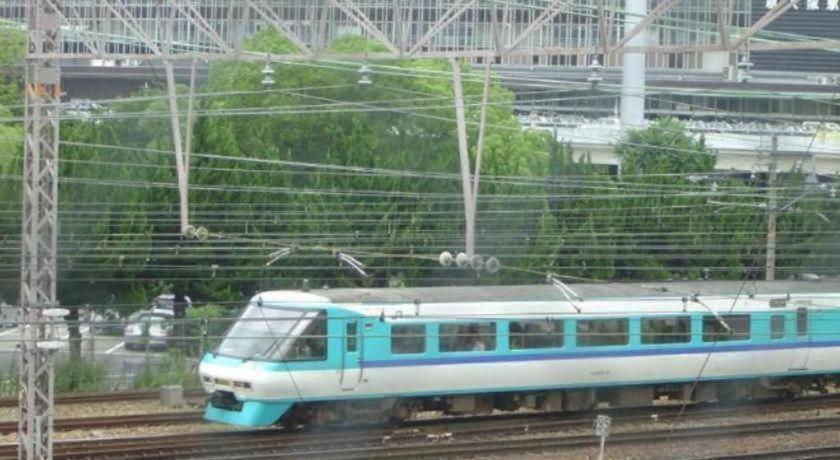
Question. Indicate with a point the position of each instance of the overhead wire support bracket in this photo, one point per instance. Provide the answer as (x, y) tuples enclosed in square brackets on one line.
[(696, 299), (351, 263), (565, 289), (279, 254)]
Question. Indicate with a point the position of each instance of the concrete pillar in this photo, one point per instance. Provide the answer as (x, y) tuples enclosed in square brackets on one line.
[(172, 395), (633, 69)]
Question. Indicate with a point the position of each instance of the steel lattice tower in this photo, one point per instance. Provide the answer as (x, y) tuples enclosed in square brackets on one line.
[(40, 218)]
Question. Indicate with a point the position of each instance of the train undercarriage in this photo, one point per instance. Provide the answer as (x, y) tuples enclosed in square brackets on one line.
[(396, 410)]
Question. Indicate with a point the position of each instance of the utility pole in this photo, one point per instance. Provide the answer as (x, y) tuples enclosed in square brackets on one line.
[(633, 68), (772, 210), (39, 230), (181, 160), (469, 181), (463, 153)]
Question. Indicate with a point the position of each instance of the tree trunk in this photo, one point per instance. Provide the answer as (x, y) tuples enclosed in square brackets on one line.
[(75, 335)]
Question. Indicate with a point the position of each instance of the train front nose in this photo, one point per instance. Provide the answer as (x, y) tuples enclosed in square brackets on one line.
[(245, 392)]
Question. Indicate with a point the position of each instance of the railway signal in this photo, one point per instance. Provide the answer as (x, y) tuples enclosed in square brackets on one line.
[(602, 430)]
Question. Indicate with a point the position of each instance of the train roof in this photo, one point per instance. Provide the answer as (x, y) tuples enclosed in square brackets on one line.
[(587, 291), (410, 304)]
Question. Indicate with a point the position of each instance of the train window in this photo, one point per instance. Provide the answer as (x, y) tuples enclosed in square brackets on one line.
[(311, 344), (408, 338), (714, 331), (674, 329), (602, 332), (801, 322), (351, 330), (467, 337), (777, 326), (547, 333)]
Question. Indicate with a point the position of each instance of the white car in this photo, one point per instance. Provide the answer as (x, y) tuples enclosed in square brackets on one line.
[(148, 329)]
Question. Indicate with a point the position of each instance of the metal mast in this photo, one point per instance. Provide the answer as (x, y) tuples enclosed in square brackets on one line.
[(39, 227)]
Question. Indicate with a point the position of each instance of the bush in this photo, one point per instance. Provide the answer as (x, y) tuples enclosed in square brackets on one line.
[(9, 385), (10, 381), (204, 328), (175, 369), (79, 375)]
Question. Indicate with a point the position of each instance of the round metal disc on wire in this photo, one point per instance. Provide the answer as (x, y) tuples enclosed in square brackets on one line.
[(462, 260), (492, 265), (201, 233)]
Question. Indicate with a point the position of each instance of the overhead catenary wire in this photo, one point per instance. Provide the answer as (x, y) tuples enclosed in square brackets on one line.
[(541, 197)]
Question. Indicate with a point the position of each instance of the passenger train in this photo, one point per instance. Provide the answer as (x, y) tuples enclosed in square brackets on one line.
[(377, 354)]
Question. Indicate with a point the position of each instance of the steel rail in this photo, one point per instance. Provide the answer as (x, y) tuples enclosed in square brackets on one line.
[(820, 452), (554, 443), (367, 439), (160, 418), (132, 395)]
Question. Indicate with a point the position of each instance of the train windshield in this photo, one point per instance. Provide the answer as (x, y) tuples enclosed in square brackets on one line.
[(266, 333)]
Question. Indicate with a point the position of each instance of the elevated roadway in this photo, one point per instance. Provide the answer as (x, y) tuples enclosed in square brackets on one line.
[(738, 149)]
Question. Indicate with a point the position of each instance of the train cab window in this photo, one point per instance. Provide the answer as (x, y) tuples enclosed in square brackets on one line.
[(408, 339), (801, 322), (269, 333), (467, 337), (312, 342), (674, 329), (777, 327), (352, 331), (602, 332), (546, 333), (714, 331)]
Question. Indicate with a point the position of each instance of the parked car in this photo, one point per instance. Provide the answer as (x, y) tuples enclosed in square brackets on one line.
[(107, 323), (8, 314), (148, 329), (166, 302)]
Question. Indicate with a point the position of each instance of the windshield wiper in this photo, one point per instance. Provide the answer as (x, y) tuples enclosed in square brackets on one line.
[(262, 353)]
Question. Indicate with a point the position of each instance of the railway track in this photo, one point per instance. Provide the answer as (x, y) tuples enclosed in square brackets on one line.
[(506, 445), (64, 424), (134, 395), (441, 437), (822, 452), (352, 444)]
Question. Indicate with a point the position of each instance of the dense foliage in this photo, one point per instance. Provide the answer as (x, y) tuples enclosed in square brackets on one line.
[(320, 163)]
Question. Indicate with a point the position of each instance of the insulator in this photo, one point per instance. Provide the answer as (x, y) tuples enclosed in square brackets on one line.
[(462, 260), (492, 265), (445, 258)]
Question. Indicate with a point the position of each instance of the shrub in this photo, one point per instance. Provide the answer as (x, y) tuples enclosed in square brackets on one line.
[(204, 328), (10, 381), (79, 375), (175, 369)]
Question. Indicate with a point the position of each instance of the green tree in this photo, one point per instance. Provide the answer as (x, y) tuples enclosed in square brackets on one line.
[(11, 148), (11, 65), (401, 122)]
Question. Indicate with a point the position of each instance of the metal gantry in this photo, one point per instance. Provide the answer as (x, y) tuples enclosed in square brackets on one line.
[(42, 92), (530, 32)]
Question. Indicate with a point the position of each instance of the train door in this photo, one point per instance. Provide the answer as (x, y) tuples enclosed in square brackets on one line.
[(800, 353), (351, 358)]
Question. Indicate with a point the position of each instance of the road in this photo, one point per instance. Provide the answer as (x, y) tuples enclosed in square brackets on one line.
[(107, 350)]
